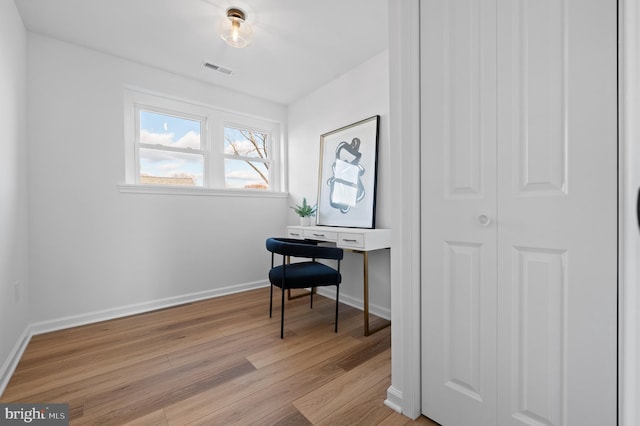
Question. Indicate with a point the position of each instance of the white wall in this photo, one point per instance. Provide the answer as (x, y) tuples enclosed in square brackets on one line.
[(95, 251), (14, 317), (353, 96)]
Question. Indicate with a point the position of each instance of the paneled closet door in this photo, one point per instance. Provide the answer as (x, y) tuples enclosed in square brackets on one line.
[(557, 212), (459, 234), (519, 184)]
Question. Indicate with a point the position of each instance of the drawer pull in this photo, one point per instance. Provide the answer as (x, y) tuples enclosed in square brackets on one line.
[(295, 233), (318, 235), (349, 240)]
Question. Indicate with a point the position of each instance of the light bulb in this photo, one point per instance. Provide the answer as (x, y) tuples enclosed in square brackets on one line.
[(235, 32)]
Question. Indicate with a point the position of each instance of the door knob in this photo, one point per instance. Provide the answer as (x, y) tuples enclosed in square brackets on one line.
[(638, 208), (484, 220)]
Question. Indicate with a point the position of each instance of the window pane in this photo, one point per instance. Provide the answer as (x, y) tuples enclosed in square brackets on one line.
[(170, 168), (245, 143), (162, 129), (246, 174)]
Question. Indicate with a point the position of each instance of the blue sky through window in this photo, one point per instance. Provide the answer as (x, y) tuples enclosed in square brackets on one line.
[(170, 131)]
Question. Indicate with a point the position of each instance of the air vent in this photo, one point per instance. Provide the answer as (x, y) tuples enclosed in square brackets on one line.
[(218, 68)]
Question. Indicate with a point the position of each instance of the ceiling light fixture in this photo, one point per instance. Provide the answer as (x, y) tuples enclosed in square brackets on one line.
[(235, 30)]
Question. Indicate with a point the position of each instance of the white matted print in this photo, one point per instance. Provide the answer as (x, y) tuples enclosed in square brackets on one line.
[(348, 171)]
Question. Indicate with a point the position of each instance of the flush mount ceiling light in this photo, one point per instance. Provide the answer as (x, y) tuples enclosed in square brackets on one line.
[(235, 30)]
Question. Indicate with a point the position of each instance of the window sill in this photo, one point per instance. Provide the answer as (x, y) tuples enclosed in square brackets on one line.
[(210, 192)]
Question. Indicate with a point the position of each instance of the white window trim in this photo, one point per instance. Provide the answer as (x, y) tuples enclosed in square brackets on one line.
[(212, 133)]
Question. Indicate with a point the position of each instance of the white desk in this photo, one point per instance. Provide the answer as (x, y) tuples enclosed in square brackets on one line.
[(357, 240)]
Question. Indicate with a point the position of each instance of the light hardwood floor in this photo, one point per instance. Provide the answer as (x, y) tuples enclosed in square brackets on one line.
[(216, 362)]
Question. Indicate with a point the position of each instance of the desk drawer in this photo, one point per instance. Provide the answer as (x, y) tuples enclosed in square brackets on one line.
[(314, 234), (351, 240), (295, 233)]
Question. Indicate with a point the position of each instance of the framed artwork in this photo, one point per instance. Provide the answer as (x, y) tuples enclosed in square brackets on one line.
[(348, 172)]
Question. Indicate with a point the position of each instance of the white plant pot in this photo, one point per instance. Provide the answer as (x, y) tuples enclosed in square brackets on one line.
[(305, 221)]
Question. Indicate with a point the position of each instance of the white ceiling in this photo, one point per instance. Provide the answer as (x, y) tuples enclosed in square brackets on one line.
[(298, 45)]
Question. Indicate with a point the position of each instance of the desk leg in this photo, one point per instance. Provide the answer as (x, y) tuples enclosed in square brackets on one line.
[(365, 264)]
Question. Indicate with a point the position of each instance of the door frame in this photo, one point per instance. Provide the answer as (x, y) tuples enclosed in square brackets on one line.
[(404, 394), (629, 237)]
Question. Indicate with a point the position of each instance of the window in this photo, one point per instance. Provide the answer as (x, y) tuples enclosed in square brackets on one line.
[(247, 162), (178, 144), (170, 149)]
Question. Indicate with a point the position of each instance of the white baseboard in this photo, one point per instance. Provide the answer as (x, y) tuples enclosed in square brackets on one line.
[(13, 359), (139, 308), (374, 309), (394, 399)]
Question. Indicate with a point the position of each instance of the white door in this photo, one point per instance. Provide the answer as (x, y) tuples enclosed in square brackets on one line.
[(459, 241), (519, 310)]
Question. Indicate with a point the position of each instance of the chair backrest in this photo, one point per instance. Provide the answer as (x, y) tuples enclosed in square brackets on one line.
[(303, 248)]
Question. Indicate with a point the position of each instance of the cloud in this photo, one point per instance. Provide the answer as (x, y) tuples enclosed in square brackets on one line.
[(244, 147), (171, 167), (155, 162), (156, 155), (248, 175), (190, 139)]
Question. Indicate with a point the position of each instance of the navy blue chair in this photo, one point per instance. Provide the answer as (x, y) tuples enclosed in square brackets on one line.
[(305, 274)]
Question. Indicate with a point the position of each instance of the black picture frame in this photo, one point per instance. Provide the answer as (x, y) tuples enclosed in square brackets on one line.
[(348, 175)]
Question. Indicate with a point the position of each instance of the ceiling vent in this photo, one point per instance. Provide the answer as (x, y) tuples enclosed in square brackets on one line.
[(218, 68)]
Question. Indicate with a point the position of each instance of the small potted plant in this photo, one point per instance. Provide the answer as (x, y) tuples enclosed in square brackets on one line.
[(305, 211)]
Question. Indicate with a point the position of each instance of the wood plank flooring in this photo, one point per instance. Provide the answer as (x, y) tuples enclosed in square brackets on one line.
[(216, 362)]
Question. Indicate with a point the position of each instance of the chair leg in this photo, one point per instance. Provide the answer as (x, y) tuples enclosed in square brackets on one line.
[(313, 289), (270, 300), (337, 293), (282, 316)]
